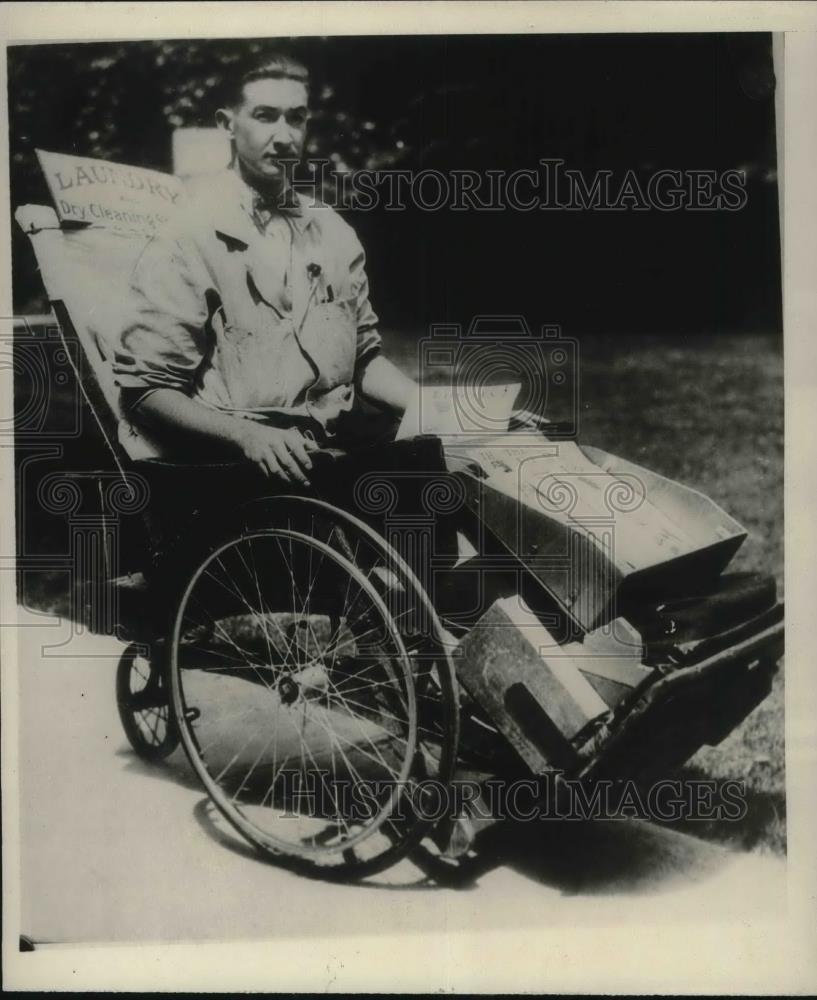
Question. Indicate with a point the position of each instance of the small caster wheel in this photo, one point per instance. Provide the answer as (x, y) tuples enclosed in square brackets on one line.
[(144, 706)]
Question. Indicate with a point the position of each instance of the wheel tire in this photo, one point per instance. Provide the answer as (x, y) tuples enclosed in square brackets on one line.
[(143, 702), (397, 713)]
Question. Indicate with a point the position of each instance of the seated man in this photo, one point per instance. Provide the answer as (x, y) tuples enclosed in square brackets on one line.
[(251, 328)]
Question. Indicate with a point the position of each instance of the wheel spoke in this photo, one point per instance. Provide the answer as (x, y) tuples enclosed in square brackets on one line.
[(232, 642), (296, 592), (379, 759)]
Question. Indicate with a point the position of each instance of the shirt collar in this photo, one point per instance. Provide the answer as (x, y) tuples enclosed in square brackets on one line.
[(231, 208), (252, 201)]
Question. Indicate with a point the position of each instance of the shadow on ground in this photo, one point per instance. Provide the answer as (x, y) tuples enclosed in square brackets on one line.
[(586, 857), (764, 811)]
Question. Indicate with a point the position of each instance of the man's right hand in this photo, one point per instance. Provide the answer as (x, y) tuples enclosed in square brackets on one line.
[(282, 453)]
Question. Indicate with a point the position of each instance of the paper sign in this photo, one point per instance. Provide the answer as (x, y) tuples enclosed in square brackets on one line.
[(453, 411), (110, 194)]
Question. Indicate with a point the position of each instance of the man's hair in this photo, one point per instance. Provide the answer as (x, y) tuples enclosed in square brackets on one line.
[(278, 65)]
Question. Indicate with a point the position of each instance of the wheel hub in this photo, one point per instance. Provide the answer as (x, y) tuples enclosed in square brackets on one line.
[(310, 681), (288, 690)]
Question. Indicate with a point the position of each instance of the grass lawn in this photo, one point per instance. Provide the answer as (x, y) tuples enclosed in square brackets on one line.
[(709, 413)]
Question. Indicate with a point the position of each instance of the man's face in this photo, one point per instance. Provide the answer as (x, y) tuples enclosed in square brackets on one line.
[(268, 127)]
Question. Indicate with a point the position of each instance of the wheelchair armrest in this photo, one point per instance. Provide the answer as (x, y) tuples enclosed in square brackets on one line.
[(528, 420)]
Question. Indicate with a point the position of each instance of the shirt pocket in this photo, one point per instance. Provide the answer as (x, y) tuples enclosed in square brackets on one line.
[(329, 337), (262, 368)]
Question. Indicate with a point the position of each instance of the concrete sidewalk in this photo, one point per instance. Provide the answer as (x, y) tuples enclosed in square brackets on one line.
[(114, 850)]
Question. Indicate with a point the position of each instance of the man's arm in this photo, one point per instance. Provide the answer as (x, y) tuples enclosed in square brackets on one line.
[(161, 348), (383, 383), (278, 451), (376, 378)]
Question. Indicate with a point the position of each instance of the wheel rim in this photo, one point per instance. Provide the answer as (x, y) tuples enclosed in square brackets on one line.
[(290, 701)]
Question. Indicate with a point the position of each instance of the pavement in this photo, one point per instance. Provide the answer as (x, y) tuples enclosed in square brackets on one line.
[(114, 850)]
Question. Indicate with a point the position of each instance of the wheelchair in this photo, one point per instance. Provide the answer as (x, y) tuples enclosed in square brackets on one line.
[(297, 657), (333, 660)]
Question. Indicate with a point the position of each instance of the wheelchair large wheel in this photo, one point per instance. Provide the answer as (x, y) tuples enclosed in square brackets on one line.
[(143, 702), (315, 699)]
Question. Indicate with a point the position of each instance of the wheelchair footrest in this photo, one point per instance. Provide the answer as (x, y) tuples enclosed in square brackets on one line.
[(534, 694), (685, 709)]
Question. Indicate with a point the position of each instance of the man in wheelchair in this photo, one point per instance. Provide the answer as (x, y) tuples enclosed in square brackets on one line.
[(251, 330), (383, 615)]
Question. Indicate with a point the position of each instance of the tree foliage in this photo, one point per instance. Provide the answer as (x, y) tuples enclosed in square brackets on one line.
[(480, 103)]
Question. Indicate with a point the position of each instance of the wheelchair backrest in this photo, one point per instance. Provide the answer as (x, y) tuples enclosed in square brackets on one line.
[(86, 268)]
